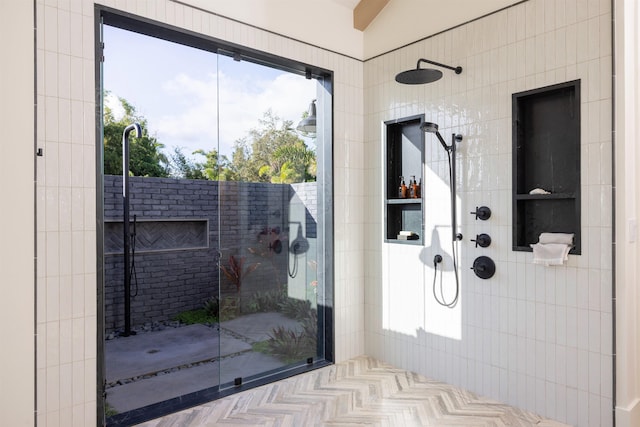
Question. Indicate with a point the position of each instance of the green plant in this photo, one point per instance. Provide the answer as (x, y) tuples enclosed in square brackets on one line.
[(295, 308), (261, 347), (288, 345), (191, 317), (229, 308), (109, 411), (267, 301), (212, 306), (291, 346), (236, 272), (310, 328)]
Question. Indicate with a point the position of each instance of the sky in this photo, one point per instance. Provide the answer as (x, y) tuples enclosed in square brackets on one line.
[(175, 87)]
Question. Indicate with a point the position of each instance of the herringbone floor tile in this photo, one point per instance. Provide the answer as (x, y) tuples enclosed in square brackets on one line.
[(359, 392)]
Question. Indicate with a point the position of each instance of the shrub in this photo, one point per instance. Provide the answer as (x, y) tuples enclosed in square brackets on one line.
[(235, 272), (191, 317), (229, 308), (212, 306), (291, 346), (267, 301), (288, 345), (295, 308)]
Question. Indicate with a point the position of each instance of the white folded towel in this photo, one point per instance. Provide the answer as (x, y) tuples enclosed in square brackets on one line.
[(564, 238), (539, 191), (550, 253)]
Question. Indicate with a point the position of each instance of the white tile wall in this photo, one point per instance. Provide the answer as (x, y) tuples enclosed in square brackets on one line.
[(507, 324), (66, 194), (536, 337)]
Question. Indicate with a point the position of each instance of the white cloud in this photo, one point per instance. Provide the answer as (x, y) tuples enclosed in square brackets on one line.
[(111, 101), (191, 121)]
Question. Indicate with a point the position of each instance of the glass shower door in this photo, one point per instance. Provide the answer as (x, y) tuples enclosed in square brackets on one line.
[(267, 238), (170, 351), (229, 259)]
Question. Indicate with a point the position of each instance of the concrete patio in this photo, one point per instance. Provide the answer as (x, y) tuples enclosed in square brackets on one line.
[(155, 366)]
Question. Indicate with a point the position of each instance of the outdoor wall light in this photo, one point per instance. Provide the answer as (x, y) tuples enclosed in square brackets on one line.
[(308, 124)]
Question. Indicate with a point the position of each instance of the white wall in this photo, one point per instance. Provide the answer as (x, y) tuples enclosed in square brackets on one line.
[(539, 338), (17, 404), (66, 193), (66, 358), (627, 16)]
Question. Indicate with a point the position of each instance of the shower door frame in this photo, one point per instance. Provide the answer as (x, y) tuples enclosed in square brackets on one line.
[(127, 21)]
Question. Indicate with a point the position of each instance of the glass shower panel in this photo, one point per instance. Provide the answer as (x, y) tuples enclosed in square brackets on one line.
[(230, 222), (172, 347), (268, 224)]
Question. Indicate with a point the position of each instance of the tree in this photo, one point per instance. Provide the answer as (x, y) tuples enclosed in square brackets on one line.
[(214, 168), (275, 154), (293, 163), (182, 167), (145, 154)]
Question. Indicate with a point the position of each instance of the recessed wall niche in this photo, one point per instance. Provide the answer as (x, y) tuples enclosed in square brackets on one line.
[(404, 159), (546, 164)]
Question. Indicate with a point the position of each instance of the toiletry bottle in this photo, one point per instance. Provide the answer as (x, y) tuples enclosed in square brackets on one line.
[(419, 189), (412, 187), (402, 191)]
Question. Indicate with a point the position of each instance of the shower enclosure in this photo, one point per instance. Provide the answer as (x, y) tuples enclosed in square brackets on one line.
[(230, 281)]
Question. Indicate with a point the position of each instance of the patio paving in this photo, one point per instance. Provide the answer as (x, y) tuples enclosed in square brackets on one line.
[(152, 352), (157, 354)]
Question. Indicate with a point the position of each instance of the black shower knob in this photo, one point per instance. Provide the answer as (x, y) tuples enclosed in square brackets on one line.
[(482, 212), (483, 240), (484, 267)]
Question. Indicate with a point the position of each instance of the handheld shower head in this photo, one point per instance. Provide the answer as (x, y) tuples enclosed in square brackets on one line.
[(433, 128), (429, 127)]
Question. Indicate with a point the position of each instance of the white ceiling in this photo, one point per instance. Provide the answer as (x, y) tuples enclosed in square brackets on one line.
[(351, 4), (329, 23), (404, 21)]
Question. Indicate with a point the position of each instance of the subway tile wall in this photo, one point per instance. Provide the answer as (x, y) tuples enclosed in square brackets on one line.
[(536, 337), (67, 358)]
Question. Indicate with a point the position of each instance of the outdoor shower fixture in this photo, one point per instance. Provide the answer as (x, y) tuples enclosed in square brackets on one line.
[(298, 246), (424, 75), (451, 154), (125, 225)]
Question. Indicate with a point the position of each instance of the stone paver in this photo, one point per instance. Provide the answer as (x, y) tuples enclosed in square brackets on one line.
[(229, 353), (159, 388)]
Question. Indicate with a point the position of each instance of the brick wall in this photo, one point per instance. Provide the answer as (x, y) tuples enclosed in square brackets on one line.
[(252, 217)]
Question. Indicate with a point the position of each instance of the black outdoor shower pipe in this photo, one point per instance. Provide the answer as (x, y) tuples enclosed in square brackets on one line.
[(125, 225)]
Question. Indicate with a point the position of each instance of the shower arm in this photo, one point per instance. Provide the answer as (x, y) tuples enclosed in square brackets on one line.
[(458, 70)]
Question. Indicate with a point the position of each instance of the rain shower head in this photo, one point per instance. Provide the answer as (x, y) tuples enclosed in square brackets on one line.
[(420, 76)]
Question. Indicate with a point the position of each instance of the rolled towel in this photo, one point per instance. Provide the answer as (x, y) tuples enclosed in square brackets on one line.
[(550, 253), (564, 238)]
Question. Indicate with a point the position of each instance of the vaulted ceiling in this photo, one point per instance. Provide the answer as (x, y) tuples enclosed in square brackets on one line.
[(387, 24), (358, 28)]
